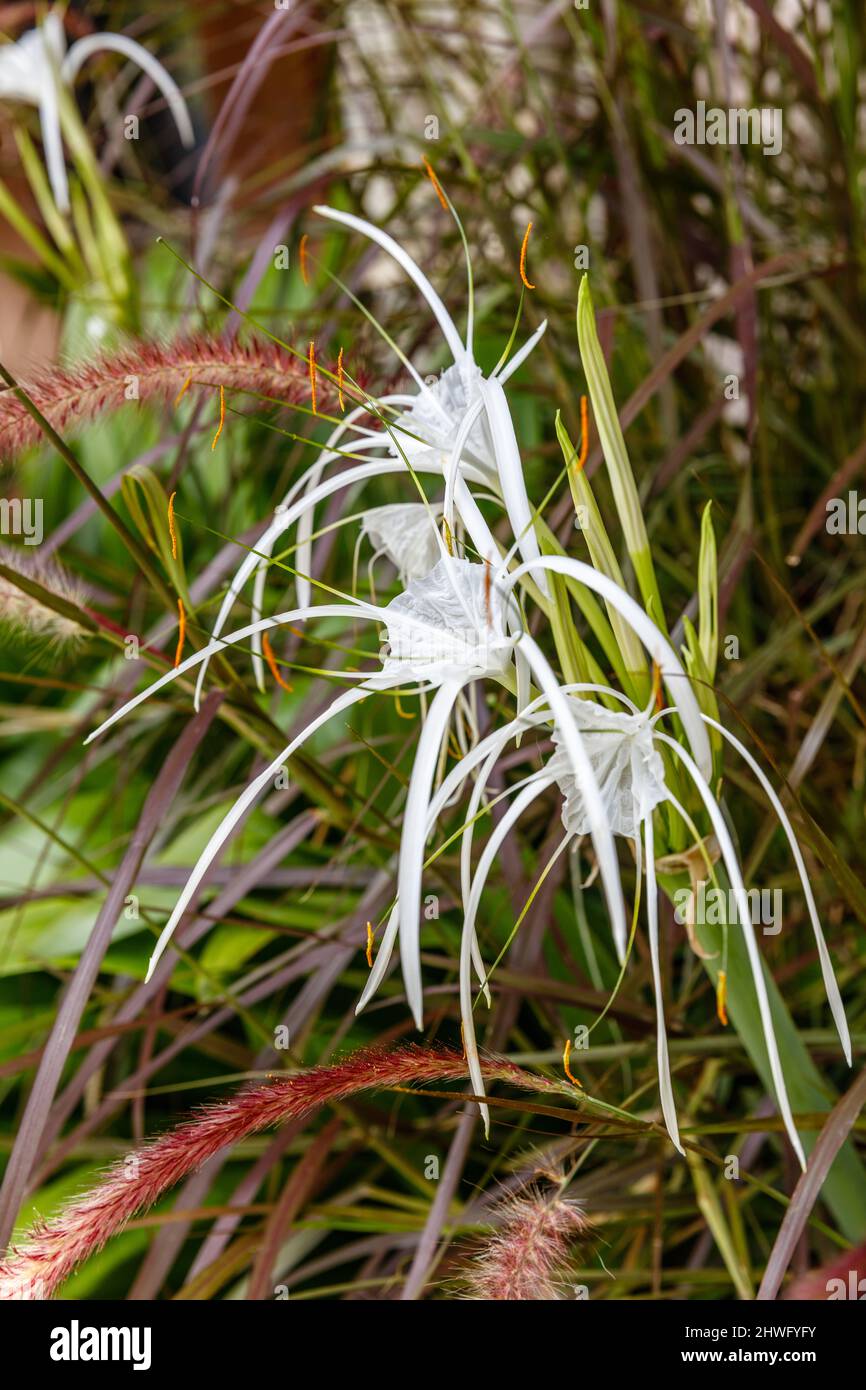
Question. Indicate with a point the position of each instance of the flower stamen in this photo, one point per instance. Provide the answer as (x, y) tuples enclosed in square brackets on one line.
[(302, 255), (722, 998), (181, 632), (171, 528), (523, 258), (268, 654), (183, 390), (657, 692), (311, 360), (431, 174), (222, 418), (566, 1053), (584, 434)]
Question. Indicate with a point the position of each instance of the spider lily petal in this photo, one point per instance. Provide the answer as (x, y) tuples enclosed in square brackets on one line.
[(664, 1070), (522, 353), (383, 959), (602, 835), (412, 842), (49, 111), (732, 866), (452, 472), (118, 43), (31, 68), (837, 1008), (538, 784), (510, 470), (292, 615), (404, 260), (661, 651), (246, 799)]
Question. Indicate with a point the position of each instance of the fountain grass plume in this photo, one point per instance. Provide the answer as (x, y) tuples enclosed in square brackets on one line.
[(50, 1251)]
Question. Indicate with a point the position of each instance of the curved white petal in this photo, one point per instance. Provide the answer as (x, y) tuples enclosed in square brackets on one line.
[(248, 796), (453, 469), (403, 259), (118, 43), (602, 836), (834, 998), (538, 784), (677, 682), (510, 470), (293, 615), (521, 355), (52, 140), (663, 1063), (412, 840), (732, 866)]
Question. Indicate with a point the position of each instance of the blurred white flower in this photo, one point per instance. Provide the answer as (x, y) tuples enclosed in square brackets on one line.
[(32, 68)]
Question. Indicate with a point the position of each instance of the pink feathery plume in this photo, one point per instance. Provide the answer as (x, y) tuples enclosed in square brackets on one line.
[(527, 1258), (50, 1251), (71, 396)]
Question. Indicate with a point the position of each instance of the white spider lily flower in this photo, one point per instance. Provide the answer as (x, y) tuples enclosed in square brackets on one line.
[(658, 647), (422, 643), (443, 632), (404, 532), (459, 632), (464, 410), (459, 425), (32, 67), (630, 775), (305, 501), (628, 768)]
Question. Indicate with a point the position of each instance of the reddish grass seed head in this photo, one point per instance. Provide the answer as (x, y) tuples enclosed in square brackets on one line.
[(71, 396), (51, 1250), (527, 1258)]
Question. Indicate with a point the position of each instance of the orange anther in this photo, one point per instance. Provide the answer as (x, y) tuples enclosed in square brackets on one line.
[(311, 360), (567, 1069), (523, 258), (268, 652), (171, 531), (181, 632), (722, 998), (431, 174), (183, 390), (584, 433), (222, 418)]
